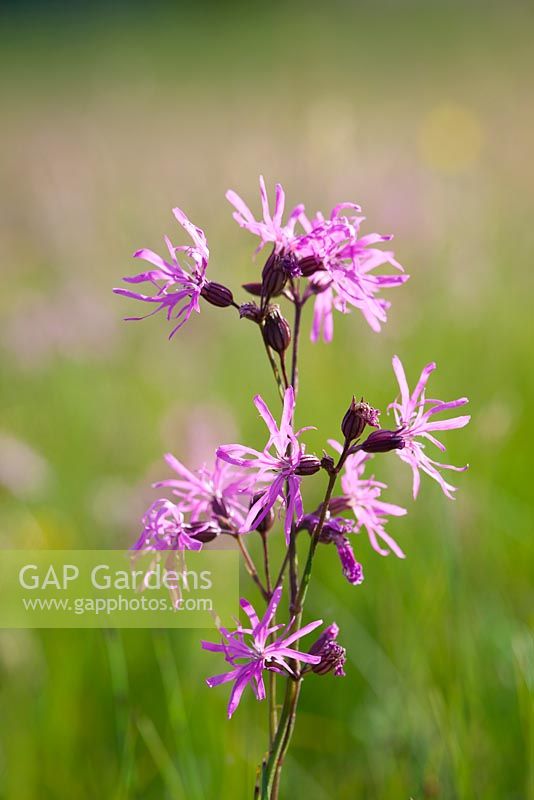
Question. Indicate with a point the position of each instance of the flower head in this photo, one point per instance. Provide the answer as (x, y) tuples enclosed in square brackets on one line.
[(249, 651), (330, 253), (347, 262), (177, 290), (221, 492), (165, 528), (276, 466), (414, 415)]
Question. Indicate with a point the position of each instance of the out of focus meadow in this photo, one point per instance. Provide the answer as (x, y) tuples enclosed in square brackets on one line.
[(110, 117)]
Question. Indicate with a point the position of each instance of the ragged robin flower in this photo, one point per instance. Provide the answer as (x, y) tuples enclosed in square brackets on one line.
[(277, 466), (178, 281), (415, 418), (251, 651)]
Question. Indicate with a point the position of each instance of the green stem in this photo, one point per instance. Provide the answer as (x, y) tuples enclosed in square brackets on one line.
[(285, 743), (273, 768), (281, 741), (284, 371), (282, 570), (306, 575), (293, 570), (296, 334), (251, 567), (274, 368), (266, 563), (273, 715)]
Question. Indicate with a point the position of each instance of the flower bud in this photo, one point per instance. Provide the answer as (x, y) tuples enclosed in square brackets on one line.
[(204, 531), (319, 283), (277, 331), (308, 465), (267, 522), (250, 311), (332, 655), (253, 288), (309, 265), (338, 504), (217, 294), (273, 276), (357, 417), (218, 506), (383, 441), (328, 463)]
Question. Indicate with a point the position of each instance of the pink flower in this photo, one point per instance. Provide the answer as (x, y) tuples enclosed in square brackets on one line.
[(164, 528), (275, 466), (271, 229), (177, 291), (414, 416), (346, 261), (347, 277), (220, 491), (362, 496), (248, 651)]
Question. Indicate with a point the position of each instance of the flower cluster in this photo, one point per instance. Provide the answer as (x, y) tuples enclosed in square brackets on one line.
[(337, 262), (328, 261), (328, 254)]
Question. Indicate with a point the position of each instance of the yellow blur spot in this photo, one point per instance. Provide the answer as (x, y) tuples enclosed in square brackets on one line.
[(450, 138)]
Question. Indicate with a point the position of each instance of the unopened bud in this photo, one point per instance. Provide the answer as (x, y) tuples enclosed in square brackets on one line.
[(357, 417), (204, 531), (383, 441), (320, 282), (253, 288), (308, 465), (267, 522), (217, 294), (309, 265), (273, 276), (327, 463), (218, 506), (339, 504), (277, 331)]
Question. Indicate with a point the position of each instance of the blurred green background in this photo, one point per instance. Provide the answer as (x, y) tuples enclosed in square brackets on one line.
[(422, 113)]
